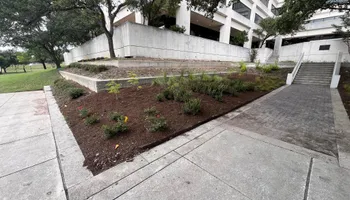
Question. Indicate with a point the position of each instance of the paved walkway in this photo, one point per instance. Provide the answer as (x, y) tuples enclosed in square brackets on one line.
[(29, 168), (227, 158)]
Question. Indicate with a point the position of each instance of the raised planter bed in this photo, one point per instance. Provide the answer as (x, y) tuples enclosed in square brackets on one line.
[(101, 153)]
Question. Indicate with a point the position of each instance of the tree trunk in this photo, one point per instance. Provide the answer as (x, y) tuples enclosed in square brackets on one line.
[(110, 45), (5, 70), (24, 69), (0, 70), (58, 63), (43, 63)]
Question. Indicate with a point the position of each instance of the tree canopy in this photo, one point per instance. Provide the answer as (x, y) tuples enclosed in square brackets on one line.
[(268, 29), (293, 13)]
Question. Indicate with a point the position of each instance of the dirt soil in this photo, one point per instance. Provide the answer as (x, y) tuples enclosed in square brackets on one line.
[(345, 80), (115, 73), (100, 153)]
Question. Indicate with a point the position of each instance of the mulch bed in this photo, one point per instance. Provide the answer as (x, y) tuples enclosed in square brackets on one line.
[(100, 153), (345, 79)]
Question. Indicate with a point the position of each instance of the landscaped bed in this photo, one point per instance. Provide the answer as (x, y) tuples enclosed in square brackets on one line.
[(344, 87), (111, 128)]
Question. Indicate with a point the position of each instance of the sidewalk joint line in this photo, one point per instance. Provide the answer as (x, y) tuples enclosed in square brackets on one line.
[(34, 136), (306, 192)]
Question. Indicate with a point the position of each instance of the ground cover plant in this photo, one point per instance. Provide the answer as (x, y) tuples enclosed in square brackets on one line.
[(141, 119), (344, 87)]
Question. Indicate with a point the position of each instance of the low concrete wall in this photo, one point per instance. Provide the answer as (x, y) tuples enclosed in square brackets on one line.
[(161, 63), (312, 52), (263, 54), (98, 85), (137, 40)]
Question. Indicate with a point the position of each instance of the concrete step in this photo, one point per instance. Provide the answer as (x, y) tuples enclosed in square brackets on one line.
[(313, 78), (316, 73), (312, 82), (325, 84)]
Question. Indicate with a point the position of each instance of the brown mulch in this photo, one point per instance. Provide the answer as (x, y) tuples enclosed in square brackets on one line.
[(100, 154), (345, 79)]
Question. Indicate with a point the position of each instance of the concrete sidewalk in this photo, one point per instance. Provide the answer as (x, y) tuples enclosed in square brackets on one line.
[(29, 167)]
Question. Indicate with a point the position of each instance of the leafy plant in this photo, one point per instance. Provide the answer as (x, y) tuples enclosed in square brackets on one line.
[(347, 88), (75, 93), (114, 88), (177, 28), (157, 123), (133, 79), (192, 106), (243, 67), (268, 83), (111, 131), (253, 54), (91, 120), (160, 97), (152, 111), (83, 112), (116, 116)]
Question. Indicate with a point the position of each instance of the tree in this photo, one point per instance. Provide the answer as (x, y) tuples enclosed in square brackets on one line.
[(293, 13), (39, 55), (31, 25), (268, 29), (7, 58), (344, 30), (239, 38)]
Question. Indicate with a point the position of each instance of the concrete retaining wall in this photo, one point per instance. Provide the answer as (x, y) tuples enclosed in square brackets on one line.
[(137, 40), (312, 52), (98, 85)]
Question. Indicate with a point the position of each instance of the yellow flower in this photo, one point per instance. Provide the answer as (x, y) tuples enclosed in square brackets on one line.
[(126, 119)]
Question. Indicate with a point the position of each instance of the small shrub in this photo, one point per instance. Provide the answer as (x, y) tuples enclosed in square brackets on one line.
[(268, 83), (192, 106), (91, 120), (243, 67), (253, 55), (89, 68), (115, 116), (111, 131), (157, 123), (75, 93), (178, 93), (160, 97), (268, 68), (83, 112), (133, 79), (113, 88), (347, 88), (152, 111), (178, 29)]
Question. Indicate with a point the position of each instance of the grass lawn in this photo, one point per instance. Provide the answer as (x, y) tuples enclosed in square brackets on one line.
[(32, 80)]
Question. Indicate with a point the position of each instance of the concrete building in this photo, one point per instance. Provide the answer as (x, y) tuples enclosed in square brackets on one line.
[(317, 41)]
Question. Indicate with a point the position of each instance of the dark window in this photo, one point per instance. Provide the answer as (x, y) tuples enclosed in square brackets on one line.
[(242, 9), (324, 47), (274, 10), (265, 2), (257, 19)]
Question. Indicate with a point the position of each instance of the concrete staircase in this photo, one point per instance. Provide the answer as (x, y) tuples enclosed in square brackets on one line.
[(315, 74)]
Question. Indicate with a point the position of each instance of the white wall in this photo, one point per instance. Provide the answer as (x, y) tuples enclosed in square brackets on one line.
[(312, 52), (264, 54), (144, 41)]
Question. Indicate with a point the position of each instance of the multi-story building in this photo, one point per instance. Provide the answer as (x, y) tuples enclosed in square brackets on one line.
[(317, 40)]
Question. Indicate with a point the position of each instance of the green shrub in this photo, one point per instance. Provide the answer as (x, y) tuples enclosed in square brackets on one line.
[(243, 67), (192, 106), (157, 123), (268, 83), (268, 68), (62, 84), (177, 28), (75, 93), (133, 79), (253, 54), (111, 131), (160, 97), (83, 113), (115, 116), (347, 88), (152, 111), (90, 68), (113, 88), (91, 120)]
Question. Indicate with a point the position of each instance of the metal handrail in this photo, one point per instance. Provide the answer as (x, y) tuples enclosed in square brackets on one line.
[(297, 66)]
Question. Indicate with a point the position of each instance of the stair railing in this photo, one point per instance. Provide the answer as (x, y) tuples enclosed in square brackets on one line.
[(336, 70), (291, 76)]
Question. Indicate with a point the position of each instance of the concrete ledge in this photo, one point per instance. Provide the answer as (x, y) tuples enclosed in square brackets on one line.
[(98, 85), (342, 128), (70, 156)]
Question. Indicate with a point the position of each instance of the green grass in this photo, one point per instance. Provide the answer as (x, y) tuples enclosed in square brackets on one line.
[(32, 80)]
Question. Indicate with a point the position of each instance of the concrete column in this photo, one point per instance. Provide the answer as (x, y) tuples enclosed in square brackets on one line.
[(225, 29), (278, 45), (183, 17), (252, 14), (250, 38)]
